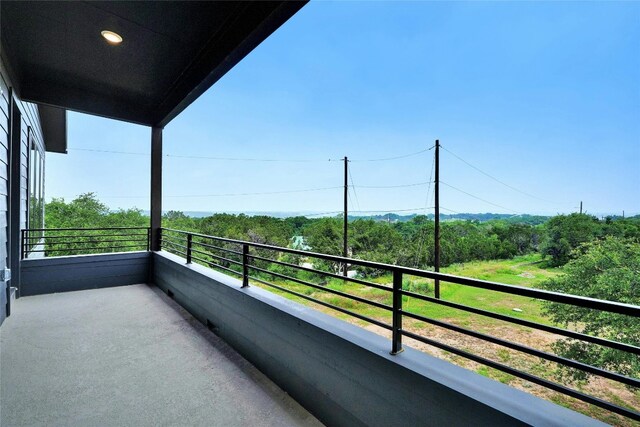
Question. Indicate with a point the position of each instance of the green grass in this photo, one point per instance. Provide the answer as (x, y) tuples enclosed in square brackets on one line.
[(527, 271), (495, 374)]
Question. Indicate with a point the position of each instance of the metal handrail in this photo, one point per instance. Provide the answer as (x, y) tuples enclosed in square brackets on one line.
[(88, 228), (580, 301), (84, 240), (398, 313)]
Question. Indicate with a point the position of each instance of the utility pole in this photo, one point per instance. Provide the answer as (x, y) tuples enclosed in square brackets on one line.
[(346, 215), (437, 219), (580, 207)]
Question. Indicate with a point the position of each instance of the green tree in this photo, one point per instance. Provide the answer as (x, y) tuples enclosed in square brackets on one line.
[(177, 220), (86, 211), (324, 235), (374, 241), (606, 269), (564, 233)]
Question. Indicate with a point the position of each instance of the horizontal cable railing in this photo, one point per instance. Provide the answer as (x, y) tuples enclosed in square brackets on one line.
[(52, 242), (264, 264)]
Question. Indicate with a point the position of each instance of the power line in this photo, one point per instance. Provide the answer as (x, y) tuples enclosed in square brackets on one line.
[(108, 151), (404, 156), (430, 181), (476, 197), (423, 240), (392, 210), (244, 159), (306, 190), (231, 159), (414, 184), (494, 178), (248, 159), (353, 187)]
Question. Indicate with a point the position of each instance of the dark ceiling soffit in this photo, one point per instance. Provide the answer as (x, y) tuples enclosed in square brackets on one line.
[(211, 65), (201, 76), (48, 93), (53, 121)]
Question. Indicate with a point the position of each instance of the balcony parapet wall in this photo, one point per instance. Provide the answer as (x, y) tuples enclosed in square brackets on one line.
[(344, 374), (82, 272)]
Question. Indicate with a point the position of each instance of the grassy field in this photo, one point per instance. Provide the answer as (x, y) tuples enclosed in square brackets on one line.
[(528, 271)]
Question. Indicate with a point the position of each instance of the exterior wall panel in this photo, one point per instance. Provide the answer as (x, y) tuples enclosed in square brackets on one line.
[(76, 273), (342, 373), (4, 174), (29, 119)]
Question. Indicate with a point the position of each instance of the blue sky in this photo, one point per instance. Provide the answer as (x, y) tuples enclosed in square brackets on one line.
[(542, 96)]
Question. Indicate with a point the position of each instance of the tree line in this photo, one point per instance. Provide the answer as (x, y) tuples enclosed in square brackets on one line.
[(600, 257), (408, 243)]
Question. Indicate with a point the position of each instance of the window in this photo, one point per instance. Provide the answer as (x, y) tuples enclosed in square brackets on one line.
[(36, 194)]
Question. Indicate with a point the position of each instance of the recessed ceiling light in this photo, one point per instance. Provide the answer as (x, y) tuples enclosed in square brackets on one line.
[(111, 37)]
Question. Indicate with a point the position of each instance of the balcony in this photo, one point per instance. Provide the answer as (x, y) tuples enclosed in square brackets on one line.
[(128, 356), (98, 336), (339, 371)]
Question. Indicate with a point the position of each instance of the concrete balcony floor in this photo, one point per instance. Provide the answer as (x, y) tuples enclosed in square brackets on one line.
[(128, 356)]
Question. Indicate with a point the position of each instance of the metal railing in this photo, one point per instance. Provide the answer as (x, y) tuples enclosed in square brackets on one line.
[(51, 242), (252, 262)]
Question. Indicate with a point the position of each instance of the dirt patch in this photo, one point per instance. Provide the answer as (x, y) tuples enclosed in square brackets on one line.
[(540, 340), (527, 275)]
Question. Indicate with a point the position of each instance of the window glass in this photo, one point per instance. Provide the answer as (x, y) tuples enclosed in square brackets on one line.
[(36, 195)]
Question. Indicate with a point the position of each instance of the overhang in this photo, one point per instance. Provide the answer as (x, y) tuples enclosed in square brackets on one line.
[(53, 121), (172, 52)]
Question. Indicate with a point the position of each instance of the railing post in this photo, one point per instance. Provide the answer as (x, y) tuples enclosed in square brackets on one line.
[(148, 239), (397, 313), (189, 245), (22, 243), (245, 265)]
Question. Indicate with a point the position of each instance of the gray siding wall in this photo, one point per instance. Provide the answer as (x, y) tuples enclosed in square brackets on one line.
[(4, 186), (29, 119), (82, 272), (344, 374)]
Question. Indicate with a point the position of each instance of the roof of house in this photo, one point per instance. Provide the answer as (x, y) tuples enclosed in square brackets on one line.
[(171, 53)]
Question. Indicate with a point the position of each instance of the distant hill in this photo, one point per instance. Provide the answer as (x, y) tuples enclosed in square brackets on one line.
[(391, 217), (480, 217)]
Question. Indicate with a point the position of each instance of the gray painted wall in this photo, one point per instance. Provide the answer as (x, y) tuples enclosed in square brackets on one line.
[(4, 185), (81, 272), (9, 229), (341, 373)]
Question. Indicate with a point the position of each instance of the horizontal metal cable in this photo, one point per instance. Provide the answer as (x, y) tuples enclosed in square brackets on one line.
[(217, 257), (528, 350), (326, 304), (214, 265), (323, 288), (325, 273), (91, 248), (206, 245), (580, 301), (526, 376), (552, 329)]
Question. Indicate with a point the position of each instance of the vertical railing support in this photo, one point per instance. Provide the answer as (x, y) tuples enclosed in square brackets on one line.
[(397, 313), (149, 239), (245, 265), (22, 243), (189, 245), (156, 187)]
